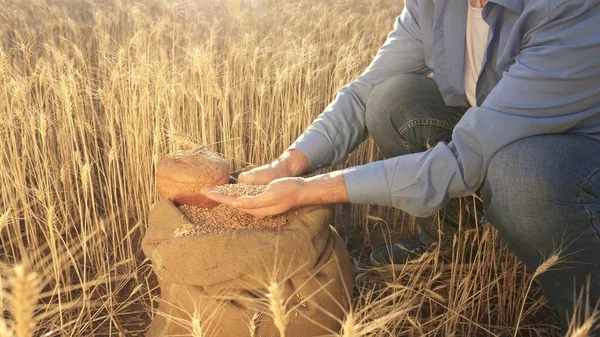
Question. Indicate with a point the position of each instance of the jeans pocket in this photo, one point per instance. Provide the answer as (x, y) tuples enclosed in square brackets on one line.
[(422, 133)]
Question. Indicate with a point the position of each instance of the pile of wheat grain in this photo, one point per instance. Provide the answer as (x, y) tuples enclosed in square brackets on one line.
[(221, 219), (239, 190)]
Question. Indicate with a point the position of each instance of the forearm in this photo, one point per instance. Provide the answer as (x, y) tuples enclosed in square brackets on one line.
[(328, 188), (338, 130), (342, 125)]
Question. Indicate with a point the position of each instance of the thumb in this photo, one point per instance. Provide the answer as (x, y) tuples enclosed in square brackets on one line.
[(254, 178), (246, 178)]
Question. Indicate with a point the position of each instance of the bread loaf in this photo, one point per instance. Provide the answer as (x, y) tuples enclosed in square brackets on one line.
[(182, 174)]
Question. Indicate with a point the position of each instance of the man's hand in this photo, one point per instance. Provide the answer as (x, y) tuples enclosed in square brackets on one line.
[(281, 195), (285, 194), (291, 163)]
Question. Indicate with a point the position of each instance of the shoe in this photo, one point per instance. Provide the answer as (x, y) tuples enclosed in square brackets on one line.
[(408, 255), (396, 254)]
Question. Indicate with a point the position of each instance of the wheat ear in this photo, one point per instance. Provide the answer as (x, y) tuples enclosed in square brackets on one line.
[(349, 326), (4, 329), (277, 306), (197, 330), (25, 295)]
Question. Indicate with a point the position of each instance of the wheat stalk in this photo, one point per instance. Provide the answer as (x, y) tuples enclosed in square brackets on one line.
[(542, 268)]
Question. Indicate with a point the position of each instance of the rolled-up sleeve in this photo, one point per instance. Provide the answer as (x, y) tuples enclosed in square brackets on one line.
[(552, 87), (341, 127)]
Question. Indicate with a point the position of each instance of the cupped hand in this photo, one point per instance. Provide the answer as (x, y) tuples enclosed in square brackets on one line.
[(280, 196)]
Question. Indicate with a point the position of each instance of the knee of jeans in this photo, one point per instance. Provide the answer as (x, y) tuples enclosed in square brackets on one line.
[(394, 95), (392, 102), (519, 191)]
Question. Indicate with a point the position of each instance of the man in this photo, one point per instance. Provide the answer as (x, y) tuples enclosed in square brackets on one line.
[(514, 107)]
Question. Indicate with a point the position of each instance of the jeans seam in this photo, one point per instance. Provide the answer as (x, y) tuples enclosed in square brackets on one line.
[(407, 146), (591, 216), (588, 179), (424, 121)]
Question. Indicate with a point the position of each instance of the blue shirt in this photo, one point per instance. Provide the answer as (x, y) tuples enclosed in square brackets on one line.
[(541, 75)]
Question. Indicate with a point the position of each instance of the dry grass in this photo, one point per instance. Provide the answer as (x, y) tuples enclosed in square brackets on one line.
[(93, 93)]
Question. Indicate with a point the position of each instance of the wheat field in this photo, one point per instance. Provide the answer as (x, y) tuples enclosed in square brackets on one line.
[(94, 93)]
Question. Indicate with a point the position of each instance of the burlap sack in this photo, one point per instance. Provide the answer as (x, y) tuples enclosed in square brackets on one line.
[(218, 283)]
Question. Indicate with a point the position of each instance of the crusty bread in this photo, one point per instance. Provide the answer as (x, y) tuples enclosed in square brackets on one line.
[(182, 174)]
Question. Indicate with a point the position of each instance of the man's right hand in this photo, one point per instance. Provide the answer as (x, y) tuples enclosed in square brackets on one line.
[(292, 163)]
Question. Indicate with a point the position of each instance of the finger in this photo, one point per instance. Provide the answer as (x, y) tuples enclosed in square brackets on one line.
[(213, 194), (234, 176), (262, 200)]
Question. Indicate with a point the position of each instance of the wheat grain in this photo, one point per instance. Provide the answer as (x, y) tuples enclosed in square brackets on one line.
[(221, 219), (239, 190)]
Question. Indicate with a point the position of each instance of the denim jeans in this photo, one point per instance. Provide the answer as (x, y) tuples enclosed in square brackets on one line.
[(542, 193), (406, 114)]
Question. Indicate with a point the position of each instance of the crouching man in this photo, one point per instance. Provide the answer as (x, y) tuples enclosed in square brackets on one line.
[(513, 108)]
